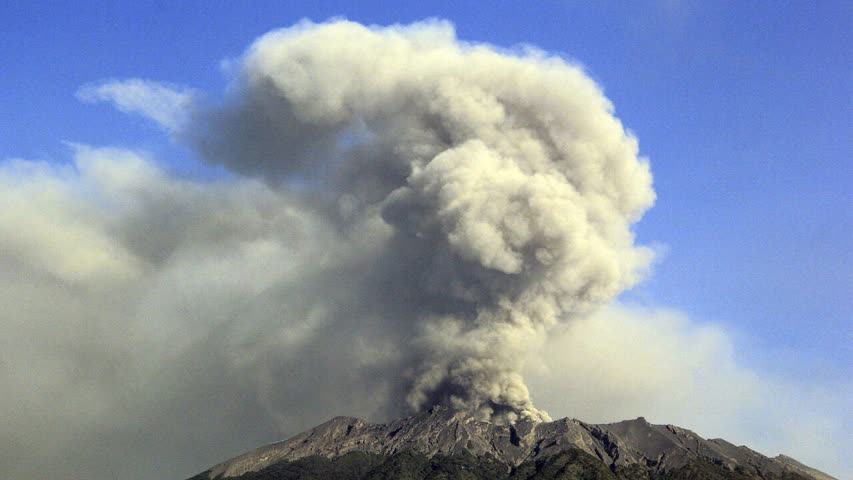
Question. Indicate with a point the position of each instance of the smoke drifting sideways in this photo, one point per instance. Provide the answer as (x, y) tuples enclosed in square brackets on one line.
[(407, 220), (499, 189)]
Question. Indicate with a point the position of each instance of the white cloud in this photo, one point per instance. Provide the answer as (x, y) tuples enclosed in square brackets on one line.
[(46, 223), (140, 313), (624, 362), (168, 105)]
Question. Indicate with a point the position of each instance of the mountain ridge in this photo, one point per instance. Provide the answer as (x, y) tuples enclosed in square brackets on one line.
[(443, 432)]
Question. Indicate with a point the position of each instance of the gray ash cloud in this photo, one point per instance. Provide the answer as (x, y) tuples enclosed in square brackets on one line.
[(498, 189)]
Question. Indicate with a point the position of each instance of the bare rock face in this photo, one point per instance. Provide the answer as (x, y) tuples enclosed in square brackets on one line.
[(802, 469), (442, 431)]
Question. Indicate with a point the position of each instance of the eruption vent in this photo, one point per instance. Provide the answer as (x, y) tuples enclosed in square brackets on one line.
[(487, 194)]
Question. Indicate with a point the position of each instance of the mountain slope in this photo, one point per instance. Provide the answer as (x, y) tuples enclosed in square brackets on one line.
[(436, 440)]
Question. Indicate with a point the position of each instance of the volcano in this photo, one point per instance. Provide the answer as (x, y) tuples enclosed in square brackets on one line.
[(443, 443)]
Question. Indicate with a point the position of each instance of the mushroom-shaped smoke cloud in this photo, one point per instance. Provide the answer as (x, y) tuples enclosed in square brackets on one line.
[(497, 188)]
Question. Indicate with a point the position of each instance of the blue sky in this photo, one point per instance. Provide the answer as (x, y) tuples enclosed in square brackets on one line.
[(743, 109)]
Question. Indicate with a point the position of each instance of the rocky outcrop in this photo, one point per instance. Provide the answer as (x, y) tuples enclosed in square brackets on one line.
[(798, 467), (657, 449)]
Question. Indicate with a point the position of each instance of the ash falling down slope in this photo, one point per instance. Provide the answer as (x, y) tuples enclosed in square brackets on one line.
[(477, 197), (443, 443)]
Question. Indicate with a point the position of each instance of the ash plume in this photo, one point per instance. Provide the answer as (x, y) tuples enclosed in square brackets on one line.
[(479, 197), (406, 220)]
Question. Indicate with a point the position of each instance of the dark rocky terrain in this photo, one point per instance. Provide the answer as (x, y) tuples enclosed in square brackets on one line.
[(448, 444)]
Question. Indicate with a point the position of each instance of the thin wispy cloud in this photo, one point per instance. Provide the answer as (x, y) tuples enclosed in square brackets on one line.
[(167, 105)]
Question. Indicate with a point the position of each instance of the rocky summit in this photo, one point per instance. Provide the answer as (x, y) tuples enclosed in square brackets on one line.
[(447, 444)]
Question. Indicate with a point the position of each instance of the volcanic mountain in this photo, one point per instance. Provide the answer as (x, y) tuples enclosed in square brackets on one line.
[(442, 443)]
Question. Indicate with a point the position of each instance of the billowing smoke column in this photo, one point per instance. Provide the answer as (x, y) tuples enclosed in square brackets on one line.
[(497, 188)]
